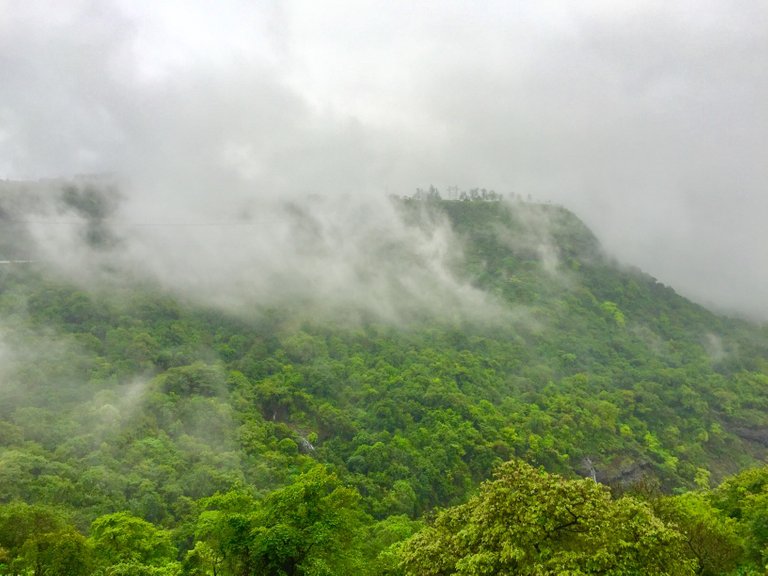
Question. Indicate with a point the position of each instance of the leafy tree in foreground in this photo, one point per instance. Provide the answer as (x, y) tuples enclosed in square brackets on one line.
[(223, 536), (744, 499), (126, 545), (526, 521), (711, 538), (37, 540), (311, 527)]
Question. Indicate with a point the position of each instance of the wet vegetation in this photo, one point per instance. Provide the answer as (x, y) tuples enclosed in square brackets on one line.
[(143, 433)]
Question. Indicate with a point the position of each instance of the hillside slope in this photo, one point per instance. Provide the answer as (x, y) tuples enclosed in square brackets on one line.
[(127, 397)]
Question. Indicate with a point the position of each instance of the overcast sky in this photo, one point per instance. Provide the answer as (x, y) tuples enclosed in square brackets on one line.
[(649, 119)]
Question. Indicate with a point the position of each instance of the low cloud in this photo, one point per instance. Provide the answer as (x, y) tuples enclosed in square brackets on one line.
[(647, 120), (341, 257)]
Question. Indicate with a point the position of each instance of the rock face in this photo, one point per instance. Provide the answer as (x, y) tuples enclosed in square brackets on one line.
[(759, 435), (619, 472)]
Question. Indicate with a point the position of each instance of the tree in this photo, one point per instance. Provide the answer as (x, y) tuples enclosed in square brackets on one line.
[(310, 527), (37, 540), (125, 544), (223, 536), (711, 538), (313, 527), (744, 498), (65, 552), (526, 521)]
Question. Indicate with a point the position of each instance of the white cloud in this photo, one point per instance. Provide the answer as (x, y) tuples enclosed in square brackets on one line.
[(648, 119)]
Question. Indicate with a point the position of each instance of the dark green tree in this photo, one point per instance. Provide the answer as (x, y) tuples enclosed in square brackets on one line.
[(311, 527)]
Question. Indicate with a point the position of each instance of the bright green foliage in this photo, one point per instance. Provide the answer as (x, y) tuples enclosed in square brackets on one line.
[(526, 521), (202, 424), (712, 539), (613, 312), (744, 499), (383, 541), (309, 528), (124, 544), (38, 540), (223, 535), (312, 527)]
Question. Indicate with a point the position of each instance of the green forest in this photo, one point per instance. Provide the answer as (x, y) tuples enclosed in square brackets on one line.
[(596, 422)]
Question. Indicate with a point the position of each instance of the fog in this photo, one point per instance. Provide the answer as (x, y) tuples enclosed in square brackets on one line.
[(237, 128)]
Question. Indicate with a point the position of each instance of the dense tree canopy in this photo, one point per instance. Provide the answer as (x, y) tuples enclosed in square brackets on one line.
[(143, 433), (526, 521)]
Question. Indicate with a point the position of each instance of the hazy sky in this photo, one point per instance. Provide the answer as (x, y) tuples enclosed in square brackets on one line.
[(648, 119)]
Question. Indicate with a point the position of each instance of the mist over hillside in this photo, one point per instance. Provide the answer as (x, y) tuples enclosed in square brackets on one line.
[(337, 255), (399, 372), (646, 120), (234, 340)]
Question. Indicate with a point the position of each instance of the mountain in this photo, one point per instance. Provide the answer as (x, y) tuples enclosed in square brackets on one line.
[(126, 397)]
